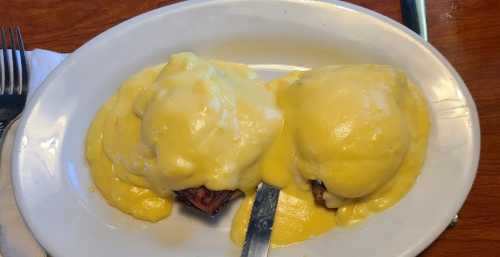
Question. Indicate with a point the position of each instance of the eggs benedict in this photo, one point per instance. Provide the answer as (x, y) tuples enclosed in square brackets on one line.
[(351, 138), (193, 127), (353, 127)]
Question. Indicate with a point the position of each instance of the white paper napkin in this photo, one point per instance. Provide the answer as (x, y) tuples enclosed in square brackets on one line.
[(16, 239)]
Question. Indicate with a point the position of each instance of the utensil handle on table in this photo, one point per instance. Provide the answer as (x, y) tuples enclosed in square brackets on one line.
[(3, 126), (3, 132), (414, 17)]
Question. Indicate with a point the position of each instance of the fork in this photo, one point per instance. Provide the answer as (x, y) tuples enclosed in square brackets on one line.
[(14, 77)]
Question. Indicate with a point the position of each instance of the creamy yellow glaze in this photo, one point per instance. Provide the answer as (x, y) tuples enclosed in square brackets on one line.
[(394, 143), (360, 129), (397, 187), (188, 123), (208, 123), (139, 202), (297, 218), (348, 126)]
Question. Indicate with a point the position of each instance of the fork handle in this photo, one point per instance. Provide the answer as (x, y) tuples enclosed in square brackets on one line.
[(3, 127), (3, 130)]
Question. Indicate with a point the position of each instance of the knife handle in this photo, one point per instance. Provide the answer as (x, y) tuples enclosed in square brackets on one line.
[(414, 16)]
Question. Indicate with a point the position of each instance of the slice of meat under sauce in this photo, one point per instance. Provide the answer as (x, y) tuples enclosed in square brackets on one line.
[(205, 200), (318, 190)]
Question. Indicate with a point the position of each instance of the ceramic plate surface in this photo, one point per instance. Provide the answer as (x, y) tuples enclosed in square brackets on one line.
[(51, 177)]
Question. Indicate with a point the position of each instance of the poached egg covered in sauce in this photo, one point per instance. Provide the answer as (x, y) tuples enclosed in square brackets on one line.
[(359, 129)]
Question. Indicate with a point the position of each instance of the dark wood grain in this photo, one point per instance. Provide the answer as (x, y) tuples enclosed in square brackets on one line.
[(467, 32)]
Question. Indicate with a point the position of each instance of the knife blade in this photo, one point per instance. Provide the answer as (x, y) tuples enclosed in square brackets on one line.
[(261, 221)]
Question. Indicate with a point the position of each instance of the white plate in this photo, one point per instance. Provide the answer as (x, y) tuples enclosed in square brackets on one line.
[(51, 178)]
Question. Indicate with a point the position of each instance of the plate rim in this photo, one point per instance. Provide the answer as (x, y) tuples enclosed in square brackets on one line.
[(432, 234)]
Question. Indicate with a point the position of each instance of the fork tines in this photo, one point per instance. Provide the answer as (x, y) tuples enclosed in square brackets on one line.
[(13, 68)]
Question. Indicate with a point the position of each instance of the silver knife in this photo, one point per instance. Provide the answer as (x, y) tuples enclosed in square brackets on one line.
[(261, 221)]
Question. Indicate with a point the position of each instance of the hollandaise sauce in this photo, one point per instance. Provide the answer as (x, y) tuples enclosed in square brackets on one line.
[(193, 122), (356, 138)]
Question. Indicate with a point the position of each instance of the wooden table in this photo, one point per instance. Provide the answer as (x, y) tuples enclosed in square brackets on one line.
[(467, 32)]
